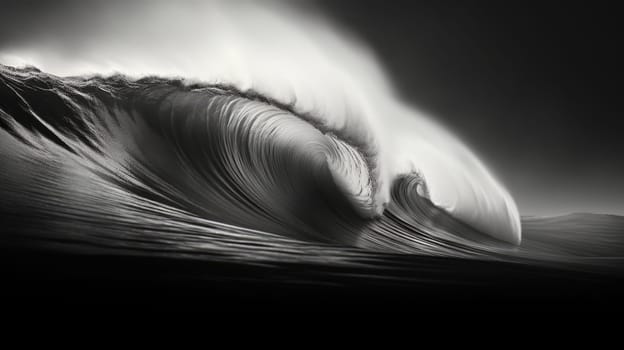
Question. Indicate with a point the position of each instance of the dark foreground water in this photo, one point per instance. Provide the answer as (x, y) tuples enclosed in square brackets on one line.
[(57, 274)]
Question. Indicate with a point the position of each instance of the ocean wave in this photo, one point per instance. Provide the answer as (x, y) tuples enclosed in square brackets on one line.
[(112, 150)]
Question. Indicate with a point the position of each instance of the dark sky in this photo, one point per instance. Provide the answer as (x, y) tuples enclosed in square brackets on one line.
[(533, 87)]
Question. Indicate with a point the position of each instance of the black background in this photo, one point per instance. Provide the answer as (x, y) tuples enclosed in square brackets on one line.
[(533, 87)]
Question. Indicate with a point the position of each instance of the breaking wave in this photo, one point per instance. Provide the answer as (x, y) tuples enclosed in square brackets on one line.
[(161, 151), (270, 135)]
